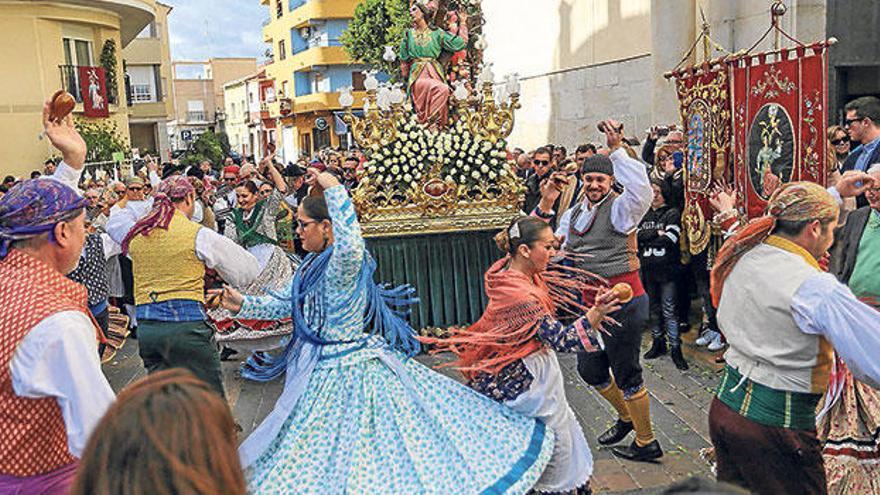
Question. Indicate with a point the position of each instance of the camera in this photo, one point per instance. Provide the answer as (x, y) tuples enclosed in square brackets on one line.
[(601, 127)]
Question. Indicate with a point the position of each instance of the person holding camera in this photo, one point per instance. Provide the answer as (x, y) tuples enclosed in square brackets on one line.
[(603, 227)]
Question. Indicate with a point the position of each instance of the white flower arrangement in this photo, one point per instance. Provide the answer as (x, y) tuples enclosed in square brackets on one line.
[(467, 159)]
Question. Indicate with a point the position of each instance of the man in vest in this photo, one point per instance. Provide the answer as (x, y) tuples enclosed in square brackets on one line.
[(603, 228), (783, 318), (52, 391), (169, 255)]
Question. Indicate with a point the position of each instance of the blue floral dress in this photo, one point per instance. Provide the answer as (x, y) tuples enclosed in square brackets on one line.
[(364, 418)]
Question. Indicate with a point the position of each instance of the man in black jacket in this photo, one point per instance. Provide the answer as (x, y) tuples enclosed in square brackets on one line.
[(859, 234), (543, 166), (863, 126)]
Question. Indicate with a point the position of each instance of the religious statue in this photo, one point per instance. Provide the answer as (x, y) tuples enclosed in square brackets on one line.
[(420, 52)]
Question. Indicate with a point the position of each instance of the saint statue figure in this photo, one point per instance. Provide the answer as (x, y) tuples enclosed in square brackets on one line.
[(420, 53)]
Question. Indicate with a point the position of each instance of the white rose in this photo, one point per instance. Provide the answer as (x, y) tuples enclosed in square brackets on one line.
[(407, 178), (382, 169), (459, 162), (484, 169), (448, 178), (375, 147), (492, 175), (418, 175), (502, 172), (388, 179), (461, 179), (493, 162), (466, 168), (475, 174), (453, 171), (395, 170)]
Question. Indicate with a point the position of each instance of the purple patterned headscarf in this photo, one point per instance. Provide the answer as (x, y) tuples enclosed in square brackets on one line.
[(33, 207)]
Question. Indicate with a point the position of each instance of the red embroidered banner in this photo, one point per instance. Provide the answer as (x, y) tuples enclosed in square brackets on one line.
[(779, 116), (704, 98), (93, 87)]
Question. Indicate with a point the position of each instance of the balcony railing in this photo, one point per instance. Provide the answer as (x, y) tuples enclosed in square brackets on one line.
[(70, 82), (196, 116), (318, 42)]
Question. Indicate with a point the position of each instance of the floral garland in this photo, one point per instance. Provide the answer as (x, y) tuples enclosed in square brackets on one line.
[(464, 158)]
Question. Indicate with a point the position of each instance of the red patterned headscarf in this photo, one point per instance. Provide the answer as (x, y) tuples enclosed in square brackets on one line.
[(174, 188), (506, 331), (795, 202)]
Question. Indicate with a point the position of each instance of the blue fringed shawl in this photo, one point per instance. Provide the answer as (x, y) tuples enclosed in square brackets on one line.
[(385, 315)]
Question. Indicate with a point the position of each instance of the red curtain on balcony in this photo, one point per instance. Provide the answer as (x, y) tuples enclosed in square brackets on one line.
[(93, 86)]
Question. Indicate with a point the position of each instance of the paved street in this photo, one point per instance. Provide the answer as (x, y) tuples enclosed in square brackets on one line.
[(679, 407)]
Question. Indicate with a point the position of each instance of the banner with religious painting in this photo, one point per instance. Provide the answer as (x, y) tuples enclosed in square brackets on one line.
[(704, 98), (779, 114), (93, 87)]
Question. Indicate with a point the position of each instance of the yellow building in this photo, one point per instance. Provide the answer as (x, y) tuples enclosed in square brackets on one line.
[(148, 66), (309, 65), (42, 44)]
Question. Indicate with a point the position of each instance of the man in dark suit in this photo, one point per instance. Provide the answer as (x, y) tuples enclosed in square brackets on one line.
[(860, 238), (863, 126)]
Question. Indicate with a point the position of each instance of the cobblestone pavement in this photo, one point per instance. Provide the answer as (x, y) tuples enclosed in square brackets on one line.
[(679, 408)]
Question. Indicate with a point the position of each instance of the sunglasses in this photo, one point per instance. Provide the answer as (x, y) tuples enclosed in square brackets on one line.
[(849, 122), (838, 142), (300, 225), (541, 162), (135, 189), (229, 179)]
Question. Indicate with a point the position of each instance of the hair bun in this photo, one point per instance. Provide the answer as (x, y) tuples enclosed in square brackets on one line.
[(502, 240)]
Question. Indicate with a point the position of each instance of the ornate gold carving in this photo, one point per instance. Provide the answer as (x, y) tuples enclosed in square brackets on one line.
[(696, 228), (492, 121), (773, 83), (453, 192)]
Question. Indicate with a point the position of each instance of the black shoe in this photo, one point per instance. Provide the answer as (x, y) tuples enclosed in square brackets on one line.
[(658, 348), (226, 353), (684, 327), (678, 359), (616, 433), (633, 452)]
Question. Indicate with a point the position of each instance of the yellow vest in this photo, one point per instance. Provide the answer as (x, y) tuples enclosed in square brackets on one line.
[(165, 264)]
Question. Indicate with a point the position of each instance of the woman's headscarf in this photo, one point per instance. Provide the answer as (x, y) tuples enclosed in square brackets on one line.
[(793, 202)]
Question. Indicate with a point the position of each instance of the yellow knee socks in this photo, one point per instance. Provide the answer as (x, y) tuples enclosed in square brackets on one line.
[(615, 397), (639, 409)]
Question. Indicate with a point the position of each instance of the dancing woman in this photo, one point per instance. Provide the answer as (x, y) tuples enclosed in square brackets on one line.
[(508, 355), (253, 226), (357, 414)]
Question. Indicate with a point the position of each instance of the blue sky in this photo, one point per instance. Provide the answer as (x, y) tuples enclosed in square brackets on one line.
[(201, 29)]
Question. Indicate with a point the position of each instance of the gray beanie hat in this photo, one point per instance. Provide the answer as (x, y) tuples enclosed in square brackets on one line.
[(598, 164)]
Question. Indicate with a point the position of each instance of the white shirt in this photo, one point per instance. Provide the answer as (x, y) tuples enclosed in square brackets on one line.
[(237, 266), (629, 208), (824, 306), (58, 359)]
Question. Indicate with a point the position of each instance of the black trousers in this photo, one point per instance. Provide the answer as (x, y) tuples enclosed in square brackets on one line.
[(622, 347)]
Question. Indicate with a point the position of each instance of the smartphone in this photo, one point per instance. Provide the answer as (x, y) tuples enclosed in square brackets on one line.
[(678, 158)]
